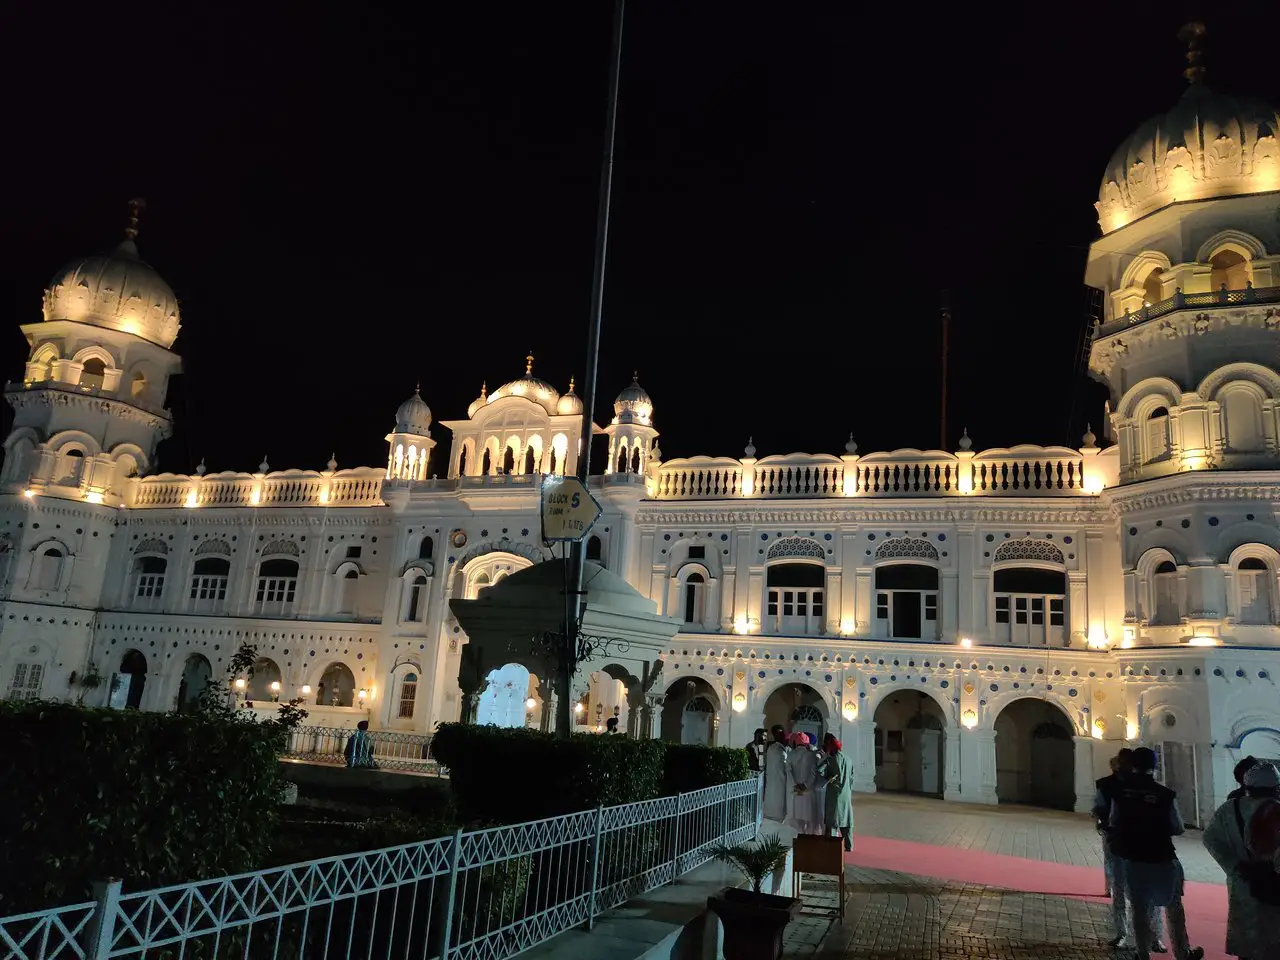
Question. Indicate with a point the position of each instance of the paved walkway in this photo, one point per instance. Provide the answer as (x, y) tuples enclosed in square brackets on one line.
[(913, 895)]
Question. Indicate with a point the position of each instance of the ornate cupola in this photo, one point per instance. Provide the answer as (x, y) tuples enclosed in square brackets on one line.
[(631, 433), (409, 445)]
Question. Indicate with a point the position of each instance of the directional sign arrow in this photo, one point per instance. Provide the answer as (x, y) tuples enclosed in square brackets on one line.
[(568, 509)]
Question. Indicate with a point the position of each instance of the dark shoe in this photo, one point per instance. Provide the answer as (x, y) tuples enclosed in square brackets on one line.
[(1159, 947), (1195, 953), (1116, 942)]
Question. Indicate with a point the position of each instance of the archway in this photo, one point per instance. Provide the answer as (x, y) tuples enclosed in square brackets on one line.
[(1263, 744), (684, 718), (910, 743), (1035, 755), (196, 674), (503, 702), (265, 673), (337, 687), (798, 708), (132, 679)]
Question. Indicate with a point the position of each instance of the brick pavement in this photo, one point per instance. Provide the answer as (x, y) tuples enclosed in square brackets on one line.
[(892, 915)]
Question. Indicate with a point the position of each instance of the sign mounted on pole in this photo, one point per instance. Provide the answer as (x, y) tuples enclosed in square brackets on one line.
[(568, 509)]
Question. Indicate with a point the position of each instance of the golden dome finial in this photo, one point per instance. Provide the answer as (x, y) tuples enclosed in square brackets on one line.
[(571, 384), (528, 364), (484, 388), (136, 206), (1192, 34)]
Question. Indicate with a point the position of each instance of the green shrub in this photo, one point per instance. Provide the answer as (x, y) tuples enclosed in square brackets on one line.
[(150, 798), (688, 767), (508, 776)]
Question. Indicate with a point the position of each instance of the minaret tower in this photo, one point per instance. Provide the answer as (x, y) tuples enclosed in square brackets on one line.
[(631, 433), (89, 411), (409, 445)]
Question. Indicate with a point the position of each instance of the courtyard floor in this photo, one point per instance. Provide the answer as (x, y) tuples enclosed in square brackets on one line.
[(931, 880)]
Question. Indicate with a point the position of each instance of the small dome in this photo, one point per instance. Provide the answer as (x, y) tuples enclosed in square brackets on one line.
[(633, 404), (529, 387), (570, 404), (116, 290), (479, 402), (1209, 145), (414, 416)]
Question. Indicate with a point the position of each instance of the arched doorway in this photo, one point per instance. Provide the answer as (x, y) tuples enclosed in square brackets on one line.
[(196, 674), (798, 708), (129, 682), (337, 687), (1035, 755), (266, 672), (910, 743), (690, 712), (503, 702)]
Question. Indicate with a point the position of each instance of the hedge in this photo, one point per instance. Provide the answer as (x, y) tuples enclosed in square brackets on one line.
[(151, 798), (511, 775)]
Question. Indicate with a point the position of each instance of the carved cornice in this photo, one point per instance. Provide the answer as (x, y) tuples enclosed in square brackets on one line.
[(22, 398), (1048, 511), (1191, 488), (1190, 322)]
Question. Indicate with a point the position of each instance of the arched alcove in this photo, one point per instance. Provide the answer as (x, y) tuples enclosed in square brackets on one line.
[(797, 708), (910, 744), (502, 704), (265, 672), (1035, 755), (197, 672), (131, 680), (337, 686), (689, 712)]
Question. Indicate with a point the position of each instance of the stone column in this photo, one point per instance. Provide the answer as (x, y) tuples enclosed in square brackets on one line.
[(653, 717), (635, 712), (1084, 774), (950, 603)]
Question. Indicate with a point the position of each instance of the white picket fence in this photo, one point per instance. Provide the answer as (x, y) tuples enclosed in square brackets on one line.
[(474, 895)]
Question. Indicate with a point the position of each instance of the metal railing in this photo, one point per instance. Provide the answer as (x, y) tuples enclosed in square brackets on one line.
[(1181, 301), (477, 895), (392, 750)]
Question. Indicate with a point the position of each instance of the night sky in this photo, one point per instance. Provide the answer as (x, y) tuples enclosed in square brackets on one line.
[(348, 199)]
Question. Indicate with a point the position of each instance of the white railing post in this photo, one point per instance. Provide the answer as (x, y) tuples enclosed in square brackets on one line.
[(100, 933), (595, 868), (455, 859), (724, 815)]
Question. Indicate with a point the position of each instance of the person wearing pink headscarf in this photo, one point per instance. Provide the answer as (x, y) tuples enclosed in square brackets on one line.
[(803, 812)]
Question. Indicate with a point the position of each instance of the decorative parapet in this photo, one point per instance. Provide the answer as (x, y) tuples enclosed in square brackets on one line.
[(1022, 471), (361, 487)]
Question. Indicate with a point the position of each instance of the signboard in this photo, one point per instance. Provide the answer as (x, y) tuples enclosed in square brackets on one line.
[(568, 509)]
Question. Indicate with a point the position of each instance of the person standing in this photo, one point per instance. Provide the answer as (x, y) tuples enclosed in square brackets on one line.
[(1106, 791), (1231, 837), (837, 773), (802, 774), (359, 750), (755, 752), (1144, 820), (775, 777), (1243, 767)]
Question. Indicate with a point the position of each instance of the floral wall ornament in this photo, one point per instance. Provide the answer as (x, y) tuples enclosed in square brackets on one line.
[(968, 688)]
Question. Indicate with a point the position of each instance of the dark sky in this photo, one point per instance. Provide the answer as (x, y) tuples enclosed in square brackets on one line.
[(349, 198)]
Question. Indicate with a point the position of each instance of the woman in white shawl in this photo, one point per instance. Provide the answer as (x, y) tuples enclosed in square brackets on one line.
[(803, 814), (776, 784), (1232, 838)]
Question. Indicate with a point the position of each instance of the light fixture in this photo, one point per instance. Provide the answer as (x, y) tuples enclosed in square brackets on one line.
[(363, 695), (847, 626), (275, 686), (969, 720), (1131, 730), (739, 702), (1093, 484), (578, 708), (93, 496), (851, 711), (255, 496), (191, 499), (966, 642), (1203, 641), (241, 683), (740, 625), (964, 482), (530, 703), (1099, 729), (1097, 639), (306, 689), (29, 493)]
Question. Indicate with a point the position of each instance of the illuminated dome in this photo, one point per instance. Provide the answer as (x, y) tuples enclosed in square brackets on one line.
[(633, 404), (570, 404), (529, 387), (479, 402), (414, 416), (116, 290), (1209, 145)]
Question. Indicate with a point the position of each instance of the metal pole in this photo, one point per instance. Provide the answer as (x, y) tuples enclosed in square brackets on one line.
[(573, 582), (946, 330)]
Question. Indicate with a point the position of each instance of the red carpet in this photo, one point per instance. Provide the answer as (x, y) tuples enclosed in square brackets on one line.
[(1206, 903)]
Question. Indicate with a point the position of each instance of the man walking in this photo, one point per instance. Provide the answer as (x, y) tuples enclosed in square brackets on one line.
[(1144, 820)]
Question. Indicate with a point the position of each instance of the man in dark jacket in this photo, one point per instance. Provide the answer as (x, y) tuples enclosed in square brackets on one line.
[(1143, 822), (1243, 767), (755, 752)]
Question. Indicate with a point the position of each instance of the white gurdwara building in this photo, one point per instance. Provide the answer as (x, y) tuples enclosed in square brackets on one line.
[(983, 626)]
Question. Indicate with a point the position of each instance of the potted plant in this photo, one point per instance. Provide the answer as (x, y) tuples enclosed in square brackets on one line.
[(753, 921)]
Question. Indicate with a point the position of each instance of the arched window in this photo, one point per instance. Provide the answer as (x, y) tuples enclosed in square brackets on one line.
[(138, 385), (277, 586), (509, 461), (337, 687), (47, 572), (635, 459), (1156, 437), (93, 373), (1254, 590), (416, 609), (148, 577), (907, 601), (462, 463), (408, 696), (486, 464), (551, 460), (209, 578), (265, 681), (1229, 269), (72, 463), (530, 461), (427, 548), (796, 598), (1153, 287), (622, 460), (595, 549), (1241, 419), (345, 587), (1166, 608), (1030, 606), (695, 592)]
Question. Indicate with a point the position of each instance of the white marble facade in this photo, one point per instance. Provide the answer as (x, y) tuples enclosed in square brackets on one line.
[(977, 625)]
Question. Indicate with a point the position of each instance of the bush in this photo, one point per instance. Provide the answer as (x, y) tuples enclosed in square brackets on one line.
[(508, 776), (150, 798), (688, 767)]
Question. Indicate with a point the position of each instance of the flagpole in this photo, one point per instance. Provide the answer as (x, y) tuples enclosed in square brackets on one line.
[(573, 606)]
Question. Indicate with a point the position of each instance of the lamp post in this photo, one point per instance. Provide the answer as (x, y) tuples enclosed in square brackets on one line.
[(573, 580)]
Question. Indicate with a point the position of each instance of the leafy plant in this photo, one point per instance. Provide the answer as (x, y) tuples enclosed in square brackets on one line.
[(756, 860), (242, 661), (689, 767), (291, 714), (91, 679)]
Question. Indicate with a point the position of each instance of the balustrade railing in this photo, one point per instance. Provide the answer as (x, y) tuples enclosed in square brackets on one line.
[(294, 488), (1019, 471), (392, 750), (473, 895), (1181, 301)]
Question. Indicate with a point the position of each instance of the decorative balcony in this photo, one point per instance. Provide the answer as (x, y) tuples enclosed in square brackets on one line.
[(361, 487), (1022, 471), (1183, 301)]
